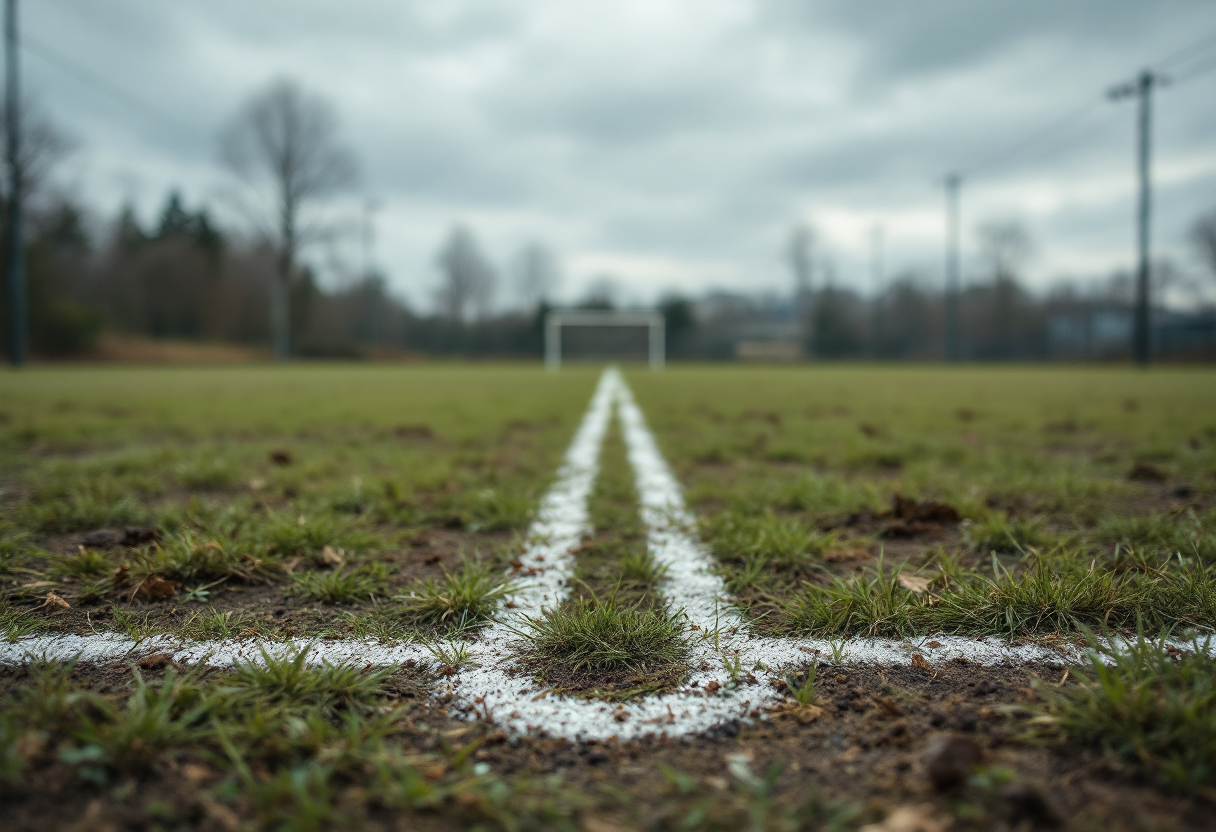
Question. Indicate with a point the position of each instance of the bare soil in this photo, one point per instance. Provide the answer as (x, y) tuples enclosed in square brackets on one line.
[(864, 743)]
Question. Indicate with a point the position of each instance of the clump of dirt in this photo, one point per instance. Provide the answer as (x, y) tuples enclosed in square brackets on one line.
[(1146, 472), (129, 536), (417, 433), (913, 518)]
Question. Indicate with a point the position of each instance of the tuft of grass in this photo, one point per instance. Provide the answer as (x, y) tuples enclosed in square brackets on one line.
[(86, 563), (638, 567), (872, 605), (307, 534), (340, 587), (1162, 535), (83, 507), (212, 625), (154, 719), (208, 474), (466, 597), (497, 510), (16, 623), (802, 692), (291, 680), (998, 533), (1144, 702), (784, 542), (588, 634), (1057, 594)]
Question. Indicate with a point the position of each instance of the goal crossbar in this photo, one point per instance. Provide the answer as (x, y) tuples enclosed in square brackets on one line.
[(653, 321)]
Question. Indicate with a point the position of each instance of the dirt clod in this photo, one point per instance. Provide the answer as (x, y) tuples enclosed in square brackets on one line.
[(950, 759), (415, 432), (912, 518), (1146, 472), (1028, 801), (919, 818)]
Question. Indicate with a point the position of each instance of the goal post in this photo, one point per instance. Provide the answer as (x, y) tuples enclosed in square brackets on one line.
[(558, 321)]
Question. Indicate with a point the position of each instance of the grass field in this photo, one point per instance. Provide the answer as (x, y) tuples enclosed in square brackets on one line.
[(392, 504)]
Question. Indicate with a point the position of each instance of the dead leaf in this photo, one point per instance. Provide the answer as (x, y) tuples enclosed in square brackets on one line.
[(888, 706), (916, 583), (806, 714), (155, 661), (222, 815), (155, 588), (435, 772), (53, 600), (933, 644), (331, 556), (712, 687), (39, 584), (591, 824), (31, 744), (921, 663), (845, 555), (917, 818), (197, 773), (290, 565)]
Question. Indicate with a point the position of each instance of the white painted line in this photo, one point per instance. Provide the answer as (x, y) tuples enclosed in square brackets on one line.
[(488, 688)]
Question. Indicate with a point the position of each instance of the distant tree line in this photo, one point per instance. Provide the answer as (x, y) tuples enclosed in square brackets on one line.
[(185, 277)]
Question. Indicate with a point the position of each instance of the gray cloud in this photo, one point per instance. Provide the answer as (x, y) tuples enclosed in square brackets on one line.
[(674, 142)]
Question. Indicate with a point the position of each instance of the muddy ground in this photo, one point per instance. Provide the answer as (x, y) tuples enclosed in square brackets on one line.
[(865, 744)]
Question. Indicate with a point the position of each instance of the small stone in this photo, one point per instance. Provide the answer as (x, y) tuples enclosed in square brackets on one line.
[(950, 759), (1028, 801)]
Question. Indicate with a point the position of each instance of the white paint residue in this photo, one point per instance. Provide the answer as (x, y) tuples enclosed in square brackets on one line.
[(723, 649)]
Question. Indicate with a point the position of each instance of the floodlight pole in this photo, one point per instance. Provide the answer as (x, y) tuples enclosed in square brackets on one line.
[(1142, 89), (553, 342), (18, 316), (953, 182), (658, 341), (876, 275)]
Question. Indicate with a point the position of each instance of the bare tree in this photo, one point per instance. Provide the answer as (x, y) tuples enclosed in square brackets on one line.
[(536, 275), (1005, 246), (468, 277), (801, 259), (43, 145), (1203, 237), (283, 144)]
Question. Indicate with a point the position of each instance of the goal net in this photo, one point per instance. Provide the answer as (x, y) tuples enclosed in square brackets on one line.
[(604, 335)]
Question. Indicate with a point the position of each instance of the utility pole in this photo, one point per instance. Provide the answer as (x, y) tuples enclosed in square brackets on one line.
[(371, 288), (876, 277), (16, 242), (953, 182), (1142, 89)]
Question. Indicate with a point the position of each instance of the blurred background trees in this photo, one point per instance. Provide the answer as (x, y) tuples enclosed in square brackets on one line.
[(248, 280)]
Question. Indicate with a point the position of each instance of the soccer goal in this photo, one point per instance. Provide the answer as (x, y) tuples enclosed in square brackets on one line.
[(604, 335)]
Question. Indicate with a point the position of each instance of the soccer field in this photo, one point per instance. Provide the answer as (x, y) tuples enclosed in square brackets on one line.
[(449, 595)]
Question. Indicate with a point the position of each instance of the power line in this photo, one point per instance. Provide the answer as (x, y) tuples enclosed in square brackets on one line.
[(1056, 128), (88, 76), (1207, 40), (1195, 72), (1081, 113)]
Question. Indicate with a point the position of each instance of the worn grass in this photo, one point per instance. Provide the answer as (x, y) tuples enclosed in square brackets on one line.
[(1087, 496), (312, 486), (1145, 703)]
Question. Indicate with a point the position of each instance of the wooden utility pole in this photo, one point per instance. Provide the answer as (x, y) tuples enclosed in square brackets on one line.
[(953, 182), (18, 315), (1142, 89)]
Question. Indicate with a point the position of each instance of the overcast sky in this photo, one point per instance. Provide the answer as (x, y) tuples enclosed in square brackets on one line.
[(669, 144)]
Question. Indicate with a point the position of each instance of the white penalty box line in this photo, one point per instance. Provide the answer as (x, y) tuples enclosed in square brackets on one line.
[(732, 670)]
